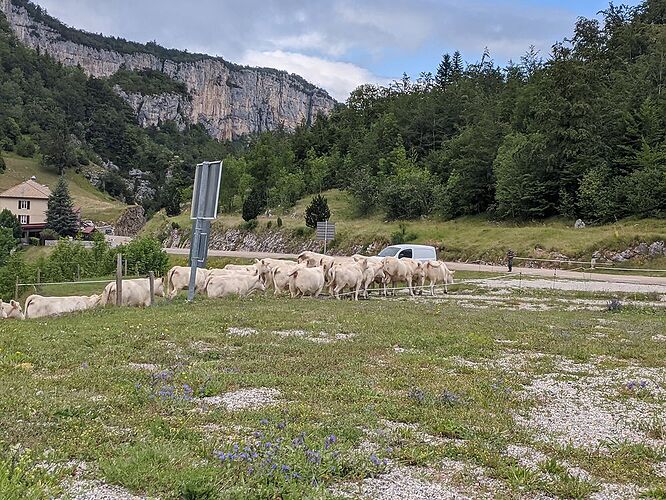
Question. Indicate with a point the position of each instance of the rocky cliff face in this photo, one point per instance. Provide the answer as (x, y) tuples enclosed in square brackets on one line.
[(230, 101)]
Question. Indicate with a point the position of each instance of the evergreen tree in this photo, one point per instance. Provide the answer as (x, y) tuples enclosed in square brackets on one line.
[(60, 216), (3, 166), (457, 66), (171, 199), (254, 204), (9, 220), (317, 211), (7, 244), (444, 72)]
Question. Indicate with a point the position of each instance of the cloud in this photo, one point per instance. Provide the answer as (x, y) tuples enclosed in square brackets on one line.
[(336, 41), (339, 78)]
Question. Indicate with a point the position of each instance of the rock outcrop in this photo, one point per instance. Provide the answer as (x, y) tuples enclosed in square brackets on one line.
[(130, 222), (228, 100)]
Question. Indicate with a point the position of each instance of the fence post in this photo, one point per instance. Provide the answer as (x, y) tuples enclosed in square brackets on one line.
[(119, 279), (125, 267), (151, 283), (16, 290)]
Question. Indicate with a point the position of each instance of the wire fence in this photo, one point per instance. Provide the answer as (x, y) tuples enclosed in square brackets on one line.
[(591, 264)]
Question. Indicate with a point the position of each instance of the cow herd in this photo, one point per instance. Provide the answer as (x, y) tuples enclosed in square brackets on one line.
[(309, 275)]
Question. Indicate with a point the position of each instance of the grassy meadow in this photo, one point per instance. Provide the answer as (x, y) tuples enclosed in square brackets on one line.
[(280, 398)]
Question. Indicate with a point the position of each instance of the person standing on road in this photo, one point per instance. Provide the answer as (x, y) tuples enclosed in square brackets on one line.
[(509, 259)]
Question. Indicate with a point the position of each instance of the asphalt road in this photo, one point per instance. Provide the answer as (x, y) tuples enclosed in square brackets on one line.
[(459, 266)]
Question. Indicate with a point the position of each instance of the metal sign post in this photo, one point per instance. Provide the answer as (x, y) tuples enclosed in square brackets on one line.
[(325, 232), (205, 197)]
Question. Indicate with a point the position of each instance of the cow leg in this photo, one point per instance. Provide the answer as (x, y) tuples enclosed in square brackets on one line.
[(410, 285)]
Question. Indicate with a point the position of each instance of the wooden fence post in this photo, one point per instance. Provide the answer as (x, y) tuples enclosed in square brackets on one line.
[(151, 283), (16, 290), (119, 280), (125, 267)]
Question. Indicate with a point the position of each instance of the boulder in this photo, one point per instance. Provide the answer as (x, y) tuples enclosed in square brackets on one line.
[(579, 224)]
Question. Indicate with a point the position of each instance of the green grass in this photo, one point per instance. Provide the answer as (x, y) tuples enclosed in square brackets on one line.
[(94, 204), (67, 387), (467, 238)]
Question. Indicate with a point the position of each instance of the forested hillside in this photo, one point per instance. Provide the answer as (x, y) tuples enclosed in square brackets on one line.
[(579, 133)]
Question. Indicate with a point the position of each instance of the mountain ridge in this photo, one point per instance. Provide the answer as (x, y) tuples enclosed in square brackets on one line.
[(229, 100)]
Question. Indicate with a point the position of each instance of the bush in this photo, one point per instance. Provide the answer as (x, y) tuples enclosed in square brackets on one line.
[(9, 220), (303, 231), (250, 225), (279, 222), (317, 211), (402, 235), (25, 147), (48, 234), (254, 205), (144, 255), (3, 165), (7, 244), (269, 224), (34, 241)]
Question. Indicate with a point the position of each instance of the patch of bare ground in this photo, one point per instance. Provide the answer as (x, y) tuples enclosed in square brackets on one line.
[(89, 489), (243, 399), (240, 332), (316, 337)]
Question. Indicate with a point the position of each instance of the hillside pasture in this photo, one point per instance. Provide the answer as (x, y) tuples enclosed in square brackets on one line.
[(268, 397)]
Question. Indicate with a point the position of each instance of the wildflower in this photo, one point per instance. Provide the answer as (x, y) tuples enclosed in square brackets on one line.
[(330, 440), (313, 456), (281, 425), (375, 461), (299, 440), (416, 394), (263, 421), (449, 398), (84, 365), (285, 468)]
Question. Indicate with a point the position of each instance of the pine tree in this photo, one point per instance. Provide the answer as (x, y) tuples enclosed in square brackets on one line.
[(318, 211), (456, 66), (172, 200), (444, 72), (2, 164), (254, 204), (60, 216)]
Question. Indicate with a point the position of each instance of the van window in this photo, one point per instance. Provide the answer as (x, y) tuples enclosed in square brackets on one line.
[(389, 252), (405, 254)]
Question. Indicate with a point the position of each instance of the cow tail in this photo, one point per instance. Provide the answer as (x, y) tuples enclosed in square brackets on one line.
[(28, 303)]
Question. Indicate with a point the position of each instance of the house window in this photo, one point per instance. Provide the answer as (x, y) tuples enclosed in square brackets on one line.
[(24, 204), (24, 219)]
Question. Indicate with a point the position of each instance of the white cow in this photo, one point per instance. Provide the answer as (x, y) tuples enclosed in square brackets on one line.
[(243, 285), (312, 259), (136, 293), (37, 306), (436, 272), (231, 272), (178, 278), (399, 270), (237, 267), (346, 275), (11, 310), (267, 266), (306, 281), (373, 272), (278, 275), (3, 314)]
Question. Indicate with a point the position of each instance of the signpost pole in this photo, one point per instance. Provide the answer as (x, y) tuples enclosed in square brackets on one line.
[(196, 235), (325, 236)]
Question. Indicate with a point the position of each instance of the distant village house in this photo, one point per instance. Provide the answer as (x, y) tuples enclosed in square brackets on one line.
[(28, 201)]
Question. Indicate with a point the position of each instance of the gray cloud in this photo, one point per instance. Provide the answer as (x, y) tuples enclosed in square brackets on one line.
[(332, 42)]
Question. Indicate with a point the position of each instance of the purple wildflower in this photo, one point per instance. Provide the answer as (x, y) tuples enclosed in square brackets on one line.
[(375, 460)]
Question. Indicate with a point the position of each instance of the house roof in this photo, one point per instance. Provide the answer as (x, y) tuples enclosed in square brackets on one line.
[(27, 189)]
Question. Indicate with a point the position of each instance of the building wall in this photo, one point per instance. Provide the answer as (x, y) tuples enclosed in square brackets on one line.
[(37, 210)]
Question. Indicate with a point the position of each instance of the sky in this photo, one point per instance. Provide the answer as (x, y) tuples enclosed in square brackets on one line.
[(336, 44)]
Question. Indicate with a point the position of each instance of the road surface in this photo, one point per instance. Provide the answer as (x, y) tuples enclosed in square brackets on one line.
[(459, 266)]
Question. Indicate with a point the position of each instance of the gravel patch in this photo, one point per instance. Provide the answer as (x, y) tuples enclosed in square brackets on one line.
[(584, 408), (659, 338), (571, 285), (244, 399), (241, 332), (318, 338), (147, 367), (612, 491), (660, 469), (526, 456), (84, 489)]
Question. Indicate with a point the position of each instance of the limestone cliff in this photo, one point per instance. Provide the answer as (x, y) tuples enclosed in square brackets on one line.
[(228, 100)]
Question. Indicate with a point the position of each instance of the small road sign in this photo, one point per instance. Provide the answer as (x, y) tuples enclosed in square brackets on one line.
[(325, 232)]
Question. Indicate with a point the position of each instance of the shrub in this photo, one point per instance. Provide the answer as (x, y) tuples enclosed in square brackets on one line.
[(254, 205), (402, 235), (317, 211), (9, 220), (144, 255), (303, 231), (279, 222), (25, 147), (3, 166), (250, 225), (7, 244), (34, 241), (269, 224), (48, 234)]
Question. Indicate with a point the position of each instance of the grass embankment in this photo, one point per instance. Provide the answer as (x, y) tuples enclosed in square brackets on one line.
[(430, 390), (467, 238), (94, 204)]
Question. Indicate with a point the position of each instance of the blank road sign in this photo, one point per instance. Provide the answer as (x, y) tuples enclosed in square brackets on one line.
[(206, 192), (325, 231)]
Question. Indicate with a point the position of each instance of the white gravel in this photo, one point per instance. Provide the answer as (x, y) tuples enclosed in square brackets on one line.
[(316, 337), (584, 407), (241, 332), (85, 489), (148, 367), (244, 399), (612, 491), (572, 285)]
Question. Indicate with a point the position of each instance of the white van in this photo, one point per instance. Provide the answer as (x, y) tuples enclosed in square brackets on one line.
[(422, 253)]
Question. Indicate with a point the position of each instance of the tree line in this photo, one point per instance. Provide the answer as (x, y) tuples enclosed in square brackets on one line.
[(581, 133)]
